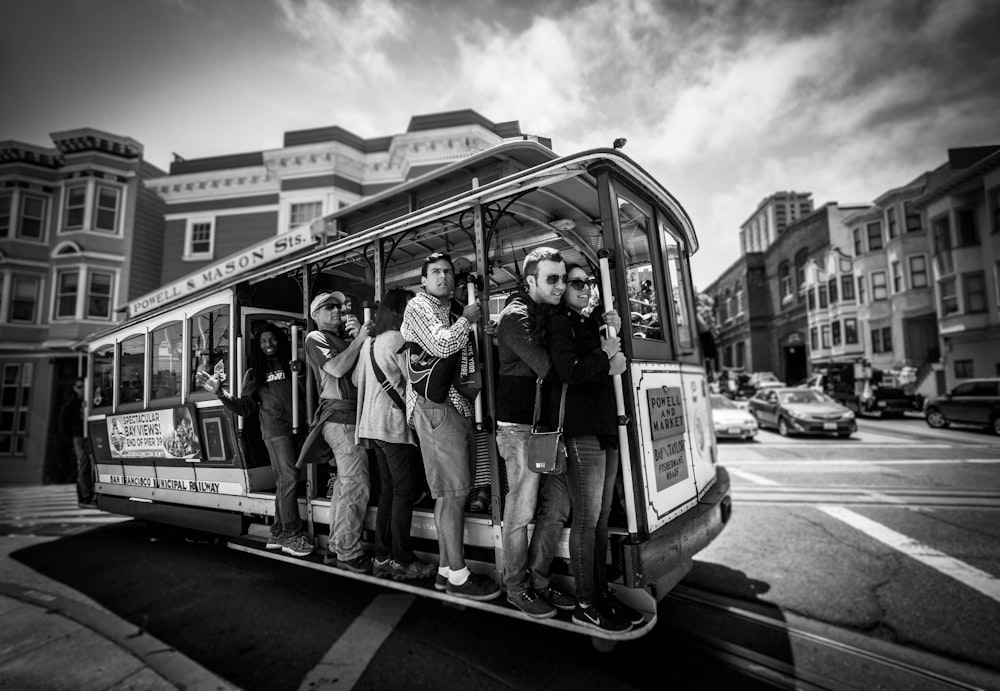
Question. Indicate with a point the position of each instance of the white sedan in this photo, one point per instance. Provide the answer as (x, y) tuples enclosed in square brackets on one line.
[(731, 420)]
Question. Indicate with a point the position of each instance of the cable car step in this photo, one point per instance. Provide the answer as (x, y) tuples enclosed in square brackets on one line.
[(562, 620)]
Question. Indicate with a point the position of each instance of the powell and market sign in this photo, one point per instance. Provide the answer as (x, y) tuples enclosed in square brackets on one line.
[(227, 268)]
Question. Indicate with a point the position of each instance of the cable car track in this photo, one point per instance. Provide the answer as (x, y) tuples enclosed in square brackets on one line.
[(870, 496), (811, 655)]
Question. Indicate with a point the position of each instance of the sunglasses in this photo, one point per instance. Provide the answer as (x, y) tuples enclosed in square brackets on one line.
[(580, 283), (554, 279)]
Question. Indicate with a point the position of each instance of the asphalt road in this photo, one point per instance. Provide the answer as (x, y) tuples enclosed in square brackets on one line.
[(800, 550)]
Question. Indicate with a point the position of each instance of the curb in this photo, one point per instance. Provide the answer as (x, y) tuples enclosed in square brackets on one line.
[(174, 667)]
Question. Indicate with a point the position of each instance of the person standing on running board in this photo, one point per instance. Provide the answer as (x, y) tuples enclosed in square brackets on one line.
[(267, 389), (523, 360), (585, 362), (444, 429), (382, 426), (332, 359)]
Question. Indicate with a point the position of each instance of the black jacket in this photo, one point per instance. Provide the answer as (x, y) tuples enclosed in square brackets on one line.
[(577, 359)]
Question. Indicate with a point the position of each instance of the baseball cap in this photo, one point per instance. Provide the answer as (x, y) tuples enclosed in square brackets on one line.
[(324, 298)]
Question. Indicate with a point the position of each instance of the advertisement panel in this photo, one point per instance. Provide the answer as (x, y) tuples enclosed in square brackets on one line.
[(167, 433)]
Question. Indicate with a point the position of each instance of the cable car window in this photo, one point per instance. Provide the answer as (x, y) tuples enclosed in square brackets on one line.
[(644, 306), (683, 307), (132, 376), (103, 376), (210, 344), (167, 345)]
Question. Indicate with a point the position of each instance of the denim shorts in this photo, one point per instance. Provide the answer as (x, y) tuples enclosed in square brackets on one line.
[(448, 447)]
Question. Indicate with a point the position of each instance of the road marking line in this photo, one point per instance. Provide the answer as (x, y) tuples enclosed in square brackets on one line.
[(751, 477), (845, 461), (348, 658), (949, 566)]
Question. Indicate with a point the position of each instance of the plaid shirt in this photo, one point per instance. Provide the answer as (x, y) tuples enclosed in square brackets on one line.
[(425, 321)]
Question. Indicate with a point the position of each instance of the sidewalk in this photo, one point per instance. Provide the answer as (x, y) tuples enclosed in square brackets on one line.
[(54, 637)]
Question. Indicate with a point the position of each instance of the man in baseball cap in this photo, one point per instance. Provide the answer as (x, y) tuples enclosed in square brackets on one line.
[(324, 299), (332, 351)]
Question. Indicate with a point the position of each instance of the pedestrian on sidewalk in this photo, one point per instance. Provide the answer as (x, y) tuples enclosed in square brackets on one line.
[(71, 427)]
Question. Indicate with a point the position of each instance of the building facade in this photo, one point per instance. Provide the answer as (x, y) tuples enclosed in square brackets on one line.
[(220, 205), (910, 282), (79, 233), (961, 209), (772, 216), (742, 315)]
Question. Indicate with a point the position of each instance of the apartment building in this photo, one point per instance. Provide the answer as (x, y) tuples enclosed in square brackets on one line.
[(771, 217), (217, 206), (895, 292), (79, 233), (961, 209), (911, 280), (742, 315), (832, 308)]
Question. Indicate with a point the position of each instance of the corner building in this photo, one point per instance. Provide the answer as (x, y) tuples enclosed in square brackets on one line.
[(79, 234)]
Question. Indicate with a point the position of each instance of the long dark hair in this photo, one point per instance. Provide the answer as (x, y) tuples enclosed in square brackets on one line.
[(390, 311), (259, 361)]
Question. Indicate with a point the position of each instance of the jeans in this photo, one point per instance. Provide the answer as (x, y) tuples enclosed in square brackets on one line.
[(590, 476), (397, 467), (84, 472), (527, 564), (284, 452), (349, 502)]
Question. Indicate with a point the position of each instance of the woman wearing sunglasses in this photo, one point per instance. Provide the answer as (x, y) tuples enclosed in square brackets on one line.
[(586, 362)]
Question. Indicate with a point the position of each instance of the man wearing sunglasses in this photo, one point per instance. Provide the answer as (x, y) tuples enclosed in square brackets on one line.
[(332, 358), (524, 359)]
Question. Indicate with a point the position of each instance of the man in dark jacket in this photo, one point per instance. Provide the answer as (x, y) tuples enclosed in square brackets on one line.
[(523, 360), (71, 426)]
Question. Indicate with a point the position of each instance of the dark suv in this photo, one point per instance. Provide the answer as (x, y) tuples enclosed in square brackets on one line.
[(974, 401)]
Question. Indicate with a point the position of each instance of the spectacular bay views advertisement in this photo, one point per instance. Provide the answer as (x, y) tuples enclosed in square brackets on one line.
[(168, 433)]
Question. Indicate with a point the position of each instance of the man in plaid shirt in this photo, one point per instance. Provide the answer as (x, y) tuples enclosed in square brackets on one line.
[(444, 430)]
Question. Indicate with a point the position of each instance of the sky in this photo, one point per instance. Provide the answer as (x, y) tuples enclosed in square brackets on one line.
[(724, 102)]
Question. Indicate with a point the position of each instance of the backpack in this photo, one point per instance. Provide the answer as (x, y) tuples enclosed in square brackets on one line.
[(429, 375)]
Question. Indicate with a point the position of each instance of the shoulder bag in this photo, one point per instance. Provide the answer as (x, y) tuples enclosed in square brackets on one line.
[(547, 450)]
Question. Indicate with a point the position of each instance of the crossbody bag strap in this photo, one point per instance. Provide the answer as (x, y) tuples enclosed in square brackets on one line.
[(562, 407), (538, 406), (385, 383)]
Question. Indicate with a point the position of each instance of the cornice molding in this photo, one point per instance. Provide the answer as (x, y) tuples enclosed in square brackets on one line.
[(215, 184), (407, 151)]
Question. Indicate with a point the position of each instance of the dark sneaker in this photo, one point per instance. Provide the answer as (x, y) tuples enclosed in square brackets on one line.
[(558, 599), (475, 588), (297, 545), (531, 604), (440, 582), (611, 605), (592, 618), (381, 568), (413, 571), (275, 541), (360, 564)]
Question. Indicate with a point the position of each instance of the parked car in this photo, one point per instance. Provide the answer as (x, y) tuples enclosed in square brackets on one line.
[(974, 401), (793, 410), (732, 421)]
